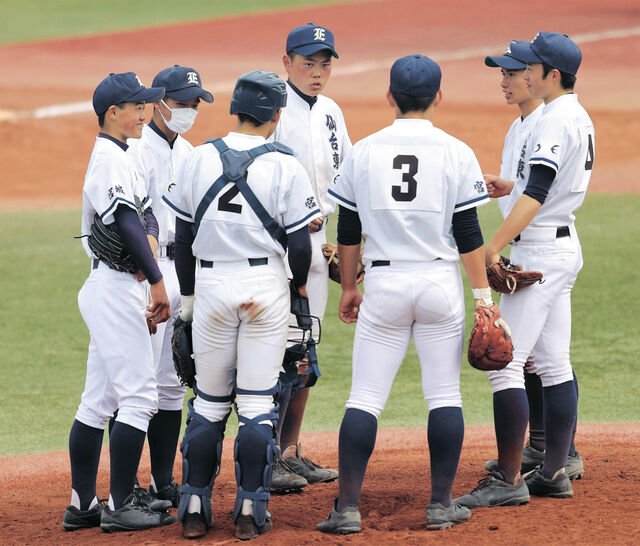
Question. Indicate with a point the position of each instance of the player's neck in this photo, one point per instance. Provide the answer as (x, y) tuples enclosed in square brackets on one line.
[(113, 132), (246, 128), (528, 106), (557, 93), (427, 114)]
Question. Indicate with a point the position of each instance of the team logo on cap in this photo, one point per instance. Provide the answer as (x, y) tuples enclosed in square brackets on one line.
[(319, 34), (192, 78)]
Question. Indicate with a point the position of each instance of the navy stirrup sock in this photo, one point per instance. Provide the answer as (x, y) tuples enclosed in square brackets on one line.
[(85, 443), (560, 409), (533, 386), (357, 440), (510, 417), (572, 446), (163, 433), (445, 433), (125, 447)]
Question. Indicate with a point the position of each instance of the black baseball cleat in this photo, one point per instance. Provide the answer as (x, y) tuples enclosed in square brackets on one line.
[(495, 491), (134, 515), (170, 492), (246, 527), (284, 479), (341, 523), (310, 471), (194, 525), (558, 487), (75, 518)]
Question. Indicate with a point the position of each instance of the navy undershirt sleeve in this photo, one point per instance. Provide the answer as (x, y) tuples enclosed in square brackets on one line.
[(299, 245), (349, 226), (152, 223), (540, 179), (135, 238), (184, 258), (466, 230)]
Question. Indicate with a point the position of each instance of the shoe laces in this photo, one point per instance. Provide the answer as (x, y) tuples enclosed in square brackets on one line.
[(484, 482), (311, 464)]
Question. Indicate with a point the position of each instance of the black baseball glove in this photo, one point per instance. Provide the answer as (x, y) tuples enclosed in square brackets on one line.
[(182, 348), (107, 245)]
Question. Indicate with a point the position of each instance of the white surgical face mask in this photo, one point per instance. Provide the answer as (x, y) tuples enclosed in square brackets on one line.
[(181, 118)]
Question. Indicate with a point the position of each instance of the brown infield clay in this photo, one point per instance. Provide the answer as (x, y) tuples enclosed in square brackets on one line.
[(35, 490)]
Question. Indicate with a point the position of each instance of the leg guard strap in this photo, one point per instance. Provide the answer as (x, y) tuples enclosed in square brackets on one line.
[(196, 426)]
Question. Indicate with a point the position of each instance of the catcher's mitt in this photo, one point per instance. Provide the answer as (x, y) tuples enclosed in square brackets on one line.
[(182, 348), (330, 252), (107, 245), (490, 346), (507, 278)]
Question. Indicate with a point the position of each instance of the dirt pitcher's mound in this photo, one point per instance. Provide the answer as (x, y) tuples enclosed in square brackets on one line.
[(35, 490)]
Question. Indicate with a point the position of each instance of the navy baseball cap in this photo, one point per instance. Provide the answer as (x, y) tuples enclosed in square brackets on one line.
[(557, 50), (181, 83), (125, 87), (416, 76), (309, 39), (509, 61)]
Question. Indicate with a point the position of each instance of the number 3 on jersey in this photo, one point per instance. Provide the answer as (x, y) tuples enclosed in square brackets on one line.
[(406, 178)]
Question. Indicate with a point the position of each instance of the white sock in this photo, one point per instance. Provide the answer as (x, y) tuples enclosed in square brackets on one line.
[(247, 507), (75, 499), (93, 502), (194, 505), (112, 505), (152, 485)]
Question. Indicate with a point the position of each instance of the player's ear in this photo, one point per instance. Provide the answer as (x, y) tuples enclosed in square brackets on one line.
[(276, 117), (286, 61), (390, 100), (438, 98)]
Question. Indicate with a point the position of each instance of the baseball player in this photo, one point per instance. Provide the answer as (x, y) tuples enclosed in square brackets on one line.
[(412, 190), (313, 126), (157, 156), (236, 199), (512, 167), (120, 372), (539, 224)]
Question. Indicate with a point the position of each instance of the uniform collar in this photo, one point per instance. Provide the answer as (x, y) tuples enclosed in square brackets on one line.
[(121, 144), (256, 138), (412, 124), (309, 99), (152, 125), (561, 101)]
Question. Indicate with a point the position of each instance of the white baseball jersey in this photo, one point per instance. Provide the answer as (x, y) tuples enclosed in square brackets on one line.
[(318, 136), (111, 180), (157, 163), (230, 230), (563, 139), (513, 165), (406, 182)]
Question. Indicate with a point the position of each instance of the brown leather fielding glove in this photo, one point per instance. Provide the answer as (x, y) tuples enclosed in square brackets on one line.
[(330, 252), (490, 346), (507, 278)]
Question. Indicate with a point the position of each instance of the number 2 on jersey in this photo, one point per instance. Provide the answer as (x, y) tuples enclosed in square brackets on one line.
[(225, 204)]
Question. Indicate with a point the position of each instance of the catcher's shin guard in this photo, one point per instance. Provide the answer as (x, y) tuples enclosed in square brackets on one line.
[(198, 425), (246, 441)]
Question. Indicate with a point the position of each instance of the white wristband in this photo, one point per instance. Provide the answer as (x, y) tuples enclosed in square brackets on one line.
[(483, 294), (186, 307)]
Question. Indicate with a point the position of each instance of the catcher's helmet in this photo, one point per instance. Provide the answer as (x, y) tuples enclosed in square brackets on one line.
[(259, 94)]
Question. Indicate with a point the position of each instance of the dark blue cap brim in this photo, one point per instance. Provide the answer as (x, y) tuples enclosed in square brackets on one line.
[(149, 94), (503, 61), (190, 93), (313, 48)]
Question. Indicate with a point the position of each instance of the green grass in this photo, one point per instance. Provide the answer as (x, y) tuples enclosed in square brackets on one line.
[(41, 19), (43, 342)]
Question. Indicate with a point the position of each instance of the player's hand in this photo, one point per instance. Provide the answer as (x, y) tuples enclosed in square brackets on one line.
[(350, 301), (491, 256), (139, 276), (152, 327), (302, 290), (315, 225), (159, 310), (496, 186)]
